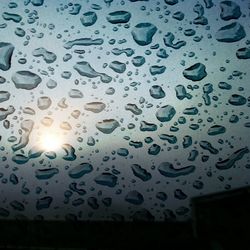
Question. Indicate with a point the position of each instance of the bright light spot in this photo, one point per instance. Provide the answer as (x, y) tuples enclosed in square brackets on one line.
[(50, 141)]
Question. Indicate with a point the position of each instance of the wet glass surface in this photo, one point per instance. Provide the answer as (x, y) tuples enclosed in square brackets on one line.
[(121, 110)]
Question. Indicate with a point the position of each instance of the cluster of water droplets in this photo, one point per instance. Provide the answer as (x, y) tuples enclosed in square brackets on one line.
[(148, 99)]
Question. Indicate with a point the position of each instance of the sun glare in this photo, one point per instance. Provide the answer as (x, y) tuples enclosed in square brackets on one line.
[(50, 141)]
